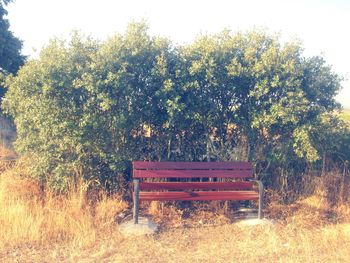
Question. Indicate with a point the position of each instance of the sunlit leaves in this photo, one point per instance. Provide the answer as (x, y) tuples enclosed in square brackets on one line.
[(88, 108)]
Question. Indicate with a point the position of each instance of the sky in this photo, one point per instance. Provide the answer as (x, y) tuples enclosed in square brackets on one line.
[(321, 25)]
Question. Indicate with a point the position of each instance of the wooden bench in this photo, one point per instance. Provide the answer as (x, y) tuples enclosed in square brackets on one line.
[(192, 182)]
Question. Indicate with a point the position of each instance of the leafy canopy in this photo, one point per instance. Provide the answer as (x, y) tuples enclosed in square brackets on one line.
[(87, 108)]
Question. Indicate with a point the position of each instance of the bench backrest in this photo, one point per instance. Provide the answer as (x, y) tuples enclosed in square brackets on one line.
[(193, 190), (192, 170)]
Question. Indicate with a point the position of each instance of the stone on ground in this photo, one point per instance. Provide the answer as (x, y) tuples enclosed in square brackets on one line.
[(255, 222), (247, 213), (144, 227)]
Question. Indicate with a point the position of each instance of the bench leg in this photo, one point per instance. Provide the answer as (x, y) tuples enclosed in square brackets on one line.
[(261, 196), (136, 201)]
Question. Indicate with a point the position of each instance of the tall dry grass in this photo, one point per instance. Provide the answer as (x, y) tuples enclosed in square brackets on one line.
[(37, 226), (30, 215)]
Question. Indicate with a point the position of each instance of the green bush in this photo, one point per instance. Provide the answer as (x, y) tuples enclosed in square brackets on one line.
[(86, 108)]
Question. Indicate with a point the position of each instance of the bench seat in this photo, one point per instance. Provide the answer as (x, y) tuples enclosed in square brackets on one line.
[(199, 196)]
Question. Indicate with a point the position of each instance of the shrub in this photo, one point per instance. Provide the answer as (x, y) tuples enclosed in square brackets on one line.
[(87, 108)]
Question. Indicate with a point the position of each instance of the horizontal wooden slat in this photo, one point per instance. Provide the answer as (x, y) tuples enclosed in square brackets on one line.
[(195, 185), (139, 165), (199, 195), (192, 173)]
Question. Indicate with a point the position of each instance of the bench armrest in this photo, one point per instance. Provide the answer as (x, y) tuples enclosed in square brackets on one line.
[(260, 184)]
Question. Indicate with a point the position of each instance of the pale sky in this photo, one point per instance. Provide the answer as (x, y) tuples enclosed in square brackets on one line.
[(322, 26)]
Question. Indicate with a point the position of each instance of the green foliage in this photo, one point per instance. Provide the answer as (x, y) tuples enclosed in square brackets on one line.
[(345, 115), (10, 48), (87, 108)]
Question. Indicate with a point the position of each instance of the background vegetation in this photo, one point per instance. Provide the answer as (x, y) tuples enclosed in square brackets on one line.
[(85, 109), (345, 115), (10, 48), (11, 60)]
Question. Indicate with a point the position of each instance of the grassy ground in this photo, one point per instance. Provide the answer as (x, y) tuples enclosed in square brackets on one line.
[(40, 227)]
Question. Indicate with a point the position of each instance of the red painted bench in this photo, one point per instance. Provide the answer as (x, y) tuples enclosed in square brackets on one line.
[(239, 187)]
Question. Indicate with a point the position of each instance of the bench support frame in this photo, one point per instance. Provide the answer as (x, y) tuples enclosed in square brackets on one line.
[(136, 201), (261, 196)]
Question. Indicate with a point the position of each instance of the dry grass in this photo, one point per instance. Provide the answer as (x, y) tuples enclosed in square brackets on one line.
[(29, 216), (41, 227)]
